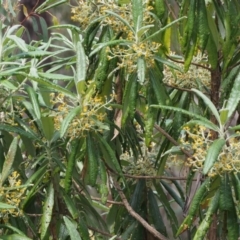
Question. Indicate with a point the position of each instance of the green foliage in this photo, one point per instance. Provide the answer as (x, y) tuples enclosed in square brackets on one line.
[(98, 121)]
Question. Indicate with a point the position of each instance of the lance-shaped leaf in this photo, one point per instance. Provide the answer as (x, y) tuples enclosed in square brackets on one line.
[(6, 206), (49, 85), (137, 12), (35, 104), (155, 214), (208, 103), (212, 154), (108, 154), (201, 120), (141, 69), (14, 237), (47, 211), (9, 160), (205, 224), (234, 96), (72, 229), (81, 68)]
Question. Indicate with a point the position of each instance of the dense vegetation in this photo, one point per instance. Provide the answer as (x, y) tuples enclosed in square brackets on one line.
[(124, 125)]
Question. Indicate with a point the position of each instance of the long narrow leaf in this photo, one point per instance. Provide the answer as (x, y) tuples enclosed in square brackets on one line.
[(49, 85), (6, 206), (81, 66), (234, 98), (203, 120), (212, 154), (47, 211), (9, 160), (35, 104), (72, 229), (109, 155), (209, 104)]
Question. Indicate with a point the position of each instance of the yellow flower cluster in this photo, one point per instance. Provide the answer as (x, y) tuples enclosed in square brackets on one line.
[(130, 54), (91, 117), (12, 194), (196, 76), (112, 14), (87, 11), (198, 141)]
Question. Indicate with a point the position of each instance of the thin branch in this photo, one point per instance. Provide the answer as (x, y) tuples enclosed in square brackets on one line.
[(170, 10), (130, 210), (156, 177), (102, 232), (195, 64), (108, 201), (80, 190), (178, 88), (34, 214), (94, 198)]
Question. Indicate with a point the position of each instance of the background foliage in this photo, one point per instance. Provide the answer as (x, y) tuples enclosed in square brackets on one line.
[(139, 140)]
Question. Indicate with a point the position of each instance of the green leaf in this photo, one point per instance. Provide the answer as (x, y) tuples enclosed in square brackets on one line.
[(224, 115), (137, 13), (168, 63), (46, 5), (9, 85), (155, 214), (35, 104), (44, 28), (12, 228), (137, 196), (49, 85), (172, 192), (234, 98), (47, 211), (206, 124), (226, 200), (203, 120), (206, 222), (71, 165), (48, 127), (110, 43), (81, 66), (194, 207), (36, 178), (71, 206), (129, 98), (212, 154), (92, 161), (164, 28), (24, 130), (8, 162), (20, 42), (83, 228), (158, 86), (55, 76), (232, 225), (166, 205), (67, 120), (14, 237), (141, 69), (209, 104), (109, 154), (6, 206), (72, 229)]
